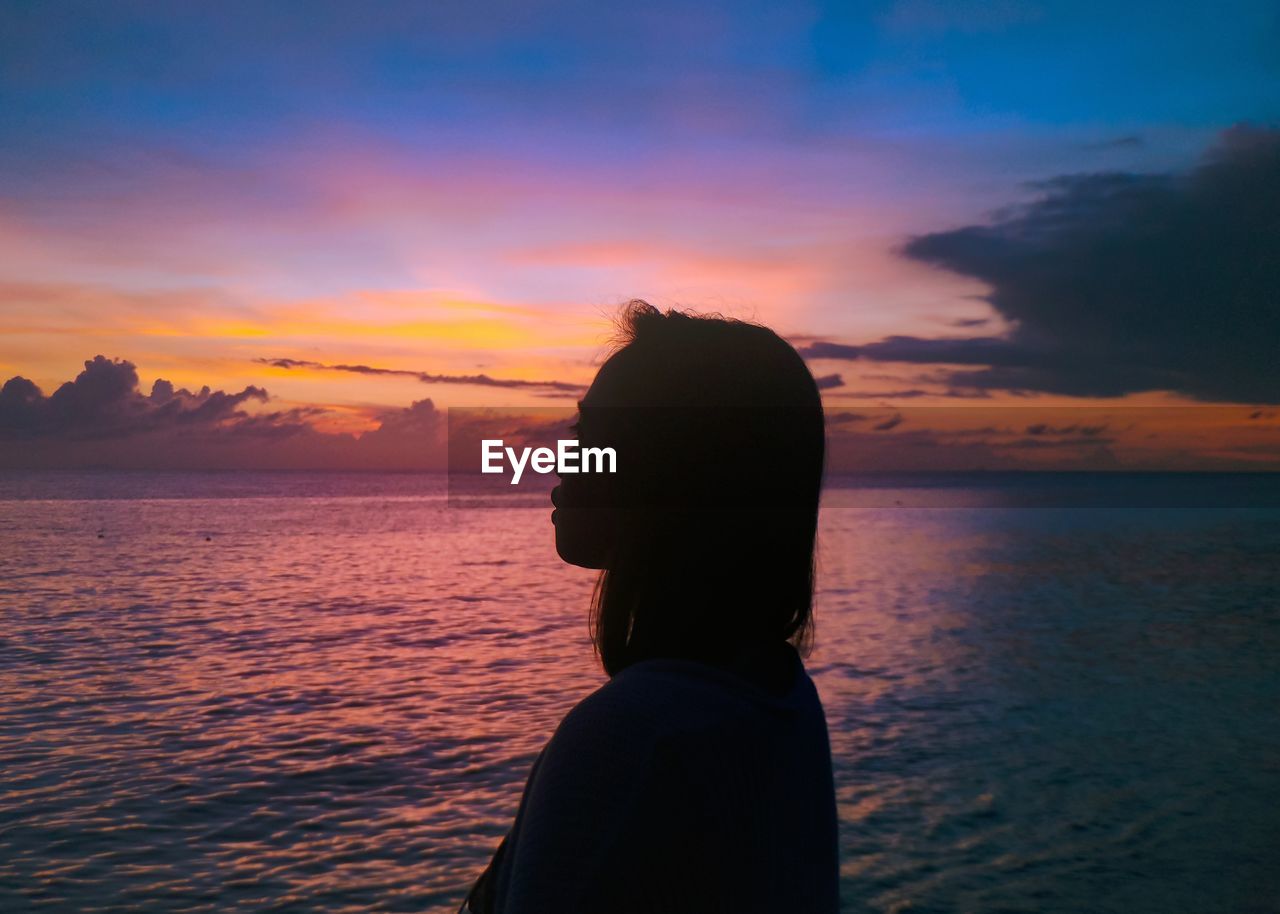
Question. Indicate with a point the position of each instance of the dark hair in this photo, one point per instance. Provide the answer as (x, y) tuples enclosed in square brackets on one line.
[(714, 552)]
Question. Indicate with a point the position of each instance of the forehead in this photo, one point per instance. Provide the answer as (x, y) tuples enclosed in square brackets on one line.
[(609, 385)]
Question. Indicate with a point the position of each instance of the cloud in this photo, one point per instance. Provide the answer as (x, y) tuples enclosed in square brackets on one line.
[(1043, 428), (481, 380), (1128, 141), (839, 418), (908, 450), (1080, 441), (955, 351), (1115, 283), (911, 393), (1126, 282), (104, 401), (103, 419)]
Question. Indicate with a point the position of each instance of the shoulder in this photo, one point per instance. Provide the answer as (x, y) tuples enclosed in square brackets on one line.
[(645, 697), (622, 725), (677, 703), (660, 699), (624, 712), (593, 774)]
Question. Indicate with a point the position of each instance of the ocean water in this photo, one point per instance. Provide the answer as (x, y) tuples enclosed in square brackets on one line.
[(322, 692)]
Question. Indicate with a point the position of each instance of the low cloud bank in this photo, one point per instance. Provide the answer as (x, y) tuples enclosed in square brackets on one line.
[(103, 419)]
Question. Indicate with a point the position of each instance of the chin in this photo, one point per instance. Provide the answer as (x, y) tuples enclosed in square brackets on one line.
[(578, 547)]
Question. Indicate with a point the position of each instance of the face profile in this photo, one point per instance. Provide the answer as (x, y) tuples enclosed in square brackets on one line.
[(704, 536), (585, 517), (583, 534)]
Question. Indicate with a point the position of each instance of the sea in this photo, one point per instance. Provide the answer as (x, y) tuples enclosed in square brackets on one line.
[(322, 691)]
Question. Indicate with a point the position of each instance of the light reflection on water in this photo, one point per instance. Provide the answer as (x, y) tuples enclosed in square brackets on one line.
[(329, 700)]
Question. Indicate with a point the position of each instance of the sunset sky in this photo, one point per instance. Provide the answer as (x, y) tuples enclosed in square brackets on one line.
[(332, 213)]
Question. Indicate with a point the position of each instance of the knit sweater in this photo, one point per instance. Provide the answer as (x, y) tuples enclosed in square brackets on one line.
[(678, 787)]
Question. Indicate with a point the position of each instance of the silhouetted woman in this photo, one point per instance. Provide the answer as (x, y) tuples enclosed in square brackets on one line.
[(698, 778)]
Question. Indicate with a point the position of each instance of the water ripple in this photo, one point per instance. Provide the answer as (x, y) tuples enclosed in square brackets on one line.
[(333, 703)]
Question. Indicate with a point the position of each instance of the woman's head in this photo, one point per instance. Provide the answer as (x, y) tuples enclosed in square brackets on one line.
[(705, 534)]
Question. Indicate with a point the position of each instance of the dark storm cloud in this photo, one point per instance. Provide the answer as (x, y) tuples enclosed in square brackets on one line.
[(482, 380), (104, 402), (1115, 283)]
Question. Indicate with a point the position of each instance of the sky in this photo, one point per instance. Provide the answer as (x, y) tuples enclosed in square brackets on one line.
[(293, 234)]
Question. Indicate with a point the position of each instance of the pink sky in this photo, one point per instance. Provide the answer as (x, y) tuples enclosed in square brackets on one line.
[(438, 195)]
